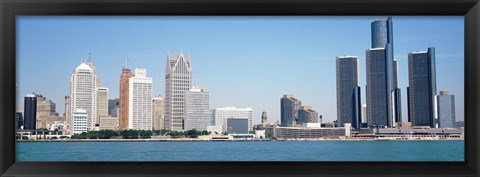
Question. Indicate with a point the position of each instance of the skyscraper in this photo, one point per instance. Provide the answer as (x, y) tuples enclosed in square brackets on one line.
[(124, 98), (381, 73), (197, 109), (288, 110), (102, 103), (83, 93), (140, 101), (446, 110), (158, 113), (396, 97), (178, 80), (30, 107), (348, 91), (422, 88), (307, 115), (379, 112), (222, 114)]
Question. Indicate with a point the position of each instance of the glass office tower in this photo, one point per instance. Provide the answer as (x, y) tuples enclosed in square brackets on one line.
[(348, 91), (422, 88), (289, 107), (382, 107)]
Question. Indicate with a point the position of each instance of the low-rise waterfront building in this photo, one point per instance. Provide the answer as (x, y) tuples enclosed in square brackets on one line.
[(309, 131), (237, 125), (222, 114)]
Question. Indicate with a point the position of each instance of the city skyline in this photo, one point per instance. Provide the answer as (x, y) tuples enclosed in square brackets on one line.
[(241, 80)]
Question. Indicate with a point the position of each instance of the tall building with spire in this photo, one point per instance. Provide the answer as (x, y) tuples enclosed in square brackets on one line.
[(83, 93), (381, 73), (178, 80), (124, 98)]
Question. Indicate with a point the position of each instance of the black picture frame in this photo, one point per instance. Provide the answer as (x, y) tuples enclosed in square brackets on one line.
[(470, 9)]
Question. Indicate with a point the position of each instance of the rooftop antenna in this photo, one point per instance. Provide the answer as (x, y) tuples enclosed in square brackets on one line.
[(126, 62), (89, 56)]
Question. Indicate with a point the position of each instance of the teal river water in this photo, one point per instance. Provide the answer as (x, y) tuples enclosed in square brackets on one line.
[(243, 151)]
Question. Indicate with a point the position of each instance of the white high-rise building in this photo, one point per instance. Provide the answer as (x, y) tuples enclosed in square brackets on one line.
[(222, 114), (83, 93), (80, 119), (197, 109), (178, 80), (140, 101), (102, 103)]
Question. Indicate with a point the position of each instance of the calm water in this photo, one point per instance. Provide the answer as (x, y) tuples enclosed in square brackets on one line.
[(243, 151)]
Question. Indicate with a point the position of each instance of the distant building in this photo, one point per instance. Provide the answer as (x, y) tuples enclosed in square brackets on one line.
[(422, 88), (140, 101), (446, 110), (264, 120), (45, 108), (18, 121), (113, 107), (158, 113), (102, 103), (307, 115), (348, 91), (212, 117), (109, 123), (309, 131), (53, 119), (396, 95), (364, 113), (289, 107), (30, 108), (178, 81), (460, 124), (83, 85), (197, 107), (79, 121), (222, 114), (123, 102), (237, 125), (68, 114)]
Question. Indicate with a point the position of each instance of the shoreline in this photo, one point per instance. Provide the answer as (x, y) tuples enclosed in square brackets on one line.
[(203, 140)]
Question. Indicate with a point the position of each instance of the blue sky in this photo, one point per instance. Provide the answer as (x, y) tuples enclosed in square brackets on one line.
[(243, 61)]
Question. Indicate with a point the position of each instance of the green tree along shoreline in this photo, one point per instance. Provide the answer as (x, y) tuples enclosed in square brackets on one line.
[(137, 134)]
